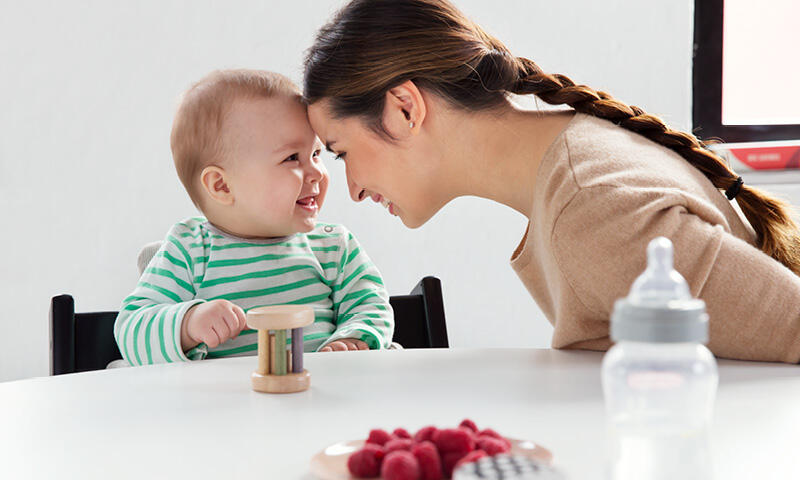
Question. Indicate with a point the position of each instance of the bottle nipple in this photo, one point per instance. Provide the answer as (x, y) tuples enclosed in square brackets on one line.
[(660, 283), (659, 307)]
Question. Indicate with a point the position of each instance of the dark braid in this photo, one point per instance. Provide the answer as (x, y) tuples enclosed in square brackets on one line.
[(776, 231)]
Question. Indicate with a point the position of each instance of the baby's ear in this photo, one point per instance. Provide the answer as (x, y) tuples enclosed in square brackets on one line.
[(215, 184)]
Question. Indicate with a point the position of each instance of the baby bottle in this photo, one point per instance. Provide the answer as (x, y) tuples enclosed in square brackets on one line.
[(659, 379)]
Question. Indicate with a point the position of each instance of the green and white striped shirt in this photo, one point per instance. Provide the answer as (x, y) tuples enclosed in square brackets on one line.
[(325, 268)]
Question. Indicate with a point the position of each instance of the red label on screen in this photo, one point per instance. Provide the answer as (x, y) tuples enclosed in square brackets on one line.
[(768, 158)]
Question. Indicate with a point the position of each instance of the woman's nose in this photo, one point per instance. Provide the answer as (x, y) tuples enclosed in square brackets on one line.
[(356, 192)]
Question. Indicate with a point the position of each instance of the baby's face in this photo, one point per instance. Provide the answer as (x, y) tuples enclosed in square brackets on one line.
[(274, 167)]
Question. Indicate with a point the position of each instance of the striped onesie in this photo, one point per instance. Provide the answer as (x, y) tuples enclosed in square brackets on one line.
[(325, 268)]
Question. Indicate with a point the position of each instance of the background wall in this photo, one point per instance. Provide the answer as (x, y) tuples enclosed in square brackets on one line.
[(87, 93)]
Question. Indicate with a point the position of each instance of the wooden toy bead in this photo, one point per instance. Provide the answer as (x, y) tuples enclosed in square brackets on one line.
[(279, 354), (297, 350), (263, 346), (280, 370)]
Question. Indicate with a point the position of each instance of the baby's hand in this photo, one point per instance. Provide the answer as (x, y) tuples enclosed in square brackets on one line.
[(212, 323), (345, 344)]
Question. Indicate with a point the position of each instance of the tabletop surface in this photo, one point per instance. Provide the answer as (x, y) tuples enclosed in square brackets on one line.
[(203, 419)]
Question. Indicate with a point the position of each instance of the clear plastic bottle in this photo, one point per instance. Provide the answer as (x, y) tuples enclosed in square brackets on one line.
[(659, 379)]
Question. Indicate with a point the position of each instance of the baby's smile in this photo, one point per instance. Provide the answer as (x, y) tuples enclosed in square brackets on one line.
[(309, 203)]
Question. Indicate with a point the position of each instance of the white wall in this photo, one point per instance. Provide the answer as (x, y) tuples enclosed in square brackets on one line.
[(87, 92)]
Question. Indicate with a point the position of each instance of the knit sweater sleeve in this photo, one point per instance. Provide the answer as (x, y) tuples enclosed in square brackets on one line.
[(599, 241)]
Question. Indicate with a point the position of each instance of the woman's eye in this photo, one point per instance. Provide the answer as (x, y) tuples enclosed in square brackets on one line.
[(292, 158), (341, 156), (316, 153)]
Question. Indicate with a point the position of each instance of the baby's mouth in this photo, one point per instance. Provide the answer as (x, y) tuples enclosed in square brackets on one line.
[(309, 203)]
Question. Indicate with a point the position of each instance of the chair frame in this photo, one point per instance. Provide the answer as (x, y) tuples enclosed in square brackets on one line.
[(81, 342)]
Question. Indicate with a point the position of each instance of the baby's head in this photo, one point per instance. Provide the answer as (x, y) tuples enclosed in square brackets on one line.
[(245, 152)]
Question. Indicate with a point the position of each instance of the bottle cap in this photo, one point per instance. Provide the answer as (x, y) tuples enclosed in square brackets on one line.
[(659, 308)]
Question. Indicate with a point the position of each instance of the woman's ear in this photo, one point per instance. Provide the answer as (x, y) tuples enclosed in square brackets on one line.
[(404, 110), (216, 185)]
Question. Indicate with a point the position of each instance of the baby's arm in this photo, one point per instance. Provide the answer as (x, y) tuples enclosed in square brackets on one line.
[(162, 321), (364, 317)]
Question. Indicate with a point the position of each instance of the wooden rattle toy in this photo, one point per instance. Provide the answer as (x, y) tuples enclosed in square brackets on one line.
[(280, 369)]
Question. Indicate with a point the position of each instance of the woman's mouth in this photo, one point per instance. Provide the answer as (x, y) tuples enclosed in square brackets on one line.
[(378, 198), (387, 204)]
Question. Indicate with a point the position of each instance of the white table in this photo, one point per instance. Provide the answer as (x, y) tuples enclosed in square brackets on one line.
[(202, 419)]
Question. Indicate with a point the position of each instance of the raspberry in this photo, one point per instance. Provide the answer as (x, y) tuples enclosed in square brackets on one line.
[(488, 432), (430, 463), (366, 463), (400, 465), (398, 444), (401, 433), (449, 460), (470, 457), (492, 445), (454, 440), (469, 424), (425, 433), (378, 436), (470, 433)]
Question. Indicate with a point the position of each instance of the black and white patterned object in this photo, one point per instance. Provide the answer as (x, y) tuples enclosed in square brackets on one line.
[(507, 467)]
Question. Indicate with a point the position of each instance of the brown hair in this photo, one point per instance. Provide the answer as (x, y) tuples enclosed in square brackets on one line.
[(196, 138), (371, 46)]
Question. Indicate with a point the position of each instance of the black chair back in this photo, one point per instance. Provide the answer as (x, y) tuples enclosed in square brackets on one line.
[(419, 317), (81, 342)]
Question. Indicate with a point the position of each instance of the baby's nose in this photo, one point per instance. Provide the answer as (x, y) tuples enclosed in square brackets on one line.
[(314, 173)]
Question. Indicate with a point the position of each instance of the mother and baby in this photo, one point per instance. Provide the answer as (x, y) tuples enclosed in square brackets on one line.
[(415, 99)]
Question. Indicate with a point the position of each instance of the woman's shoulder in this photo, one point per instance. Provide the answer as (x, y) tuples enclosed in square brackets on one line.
[(601, 152), (593, 152), (597, 159)]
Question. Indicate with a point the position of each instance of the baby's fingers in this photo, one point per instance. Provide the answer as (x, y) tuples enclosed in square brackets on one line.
[(353, 344), (240, 317), (211, 337), (223, 326)]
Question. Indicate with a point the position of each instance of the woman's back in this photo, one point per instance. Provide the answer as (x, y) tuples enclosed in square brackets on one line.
[(602, 193)]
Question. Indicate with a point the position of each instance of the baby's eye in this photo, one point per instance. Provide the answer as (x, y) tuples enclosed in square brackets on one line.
[(341, 156), (316, 153), (292, 158)]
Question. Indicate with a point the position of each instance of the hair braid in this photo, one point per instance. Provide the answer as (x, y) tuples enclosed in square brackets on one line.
[(776, 232)]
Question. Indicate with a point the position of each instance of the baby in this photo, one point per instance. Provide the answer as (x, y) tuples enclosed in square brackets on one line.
[(245, 152)]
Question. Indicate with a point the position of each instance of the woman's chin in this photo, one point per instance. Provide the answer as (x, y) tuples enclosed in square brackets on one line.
[(413, 222)]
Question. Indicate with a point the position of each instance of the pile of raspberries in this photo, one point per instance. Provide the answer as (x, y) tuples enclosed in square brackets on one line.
[(431, 454)]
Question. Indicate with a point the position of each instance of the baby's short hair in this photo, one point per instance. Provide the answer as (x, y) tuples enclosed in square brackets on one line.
[(196, 138)]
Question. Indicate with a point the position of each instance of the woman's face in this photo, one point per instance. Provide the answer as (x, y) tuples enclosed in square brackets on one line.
[(388, 172)]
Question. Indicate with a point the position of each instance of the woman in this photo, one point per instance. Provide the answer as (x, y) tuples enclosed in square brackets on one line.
[(414, 97)]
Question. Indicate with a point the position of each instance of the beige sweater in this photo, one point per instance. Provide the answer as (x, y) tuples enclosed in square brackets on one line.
[(602, 193)]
